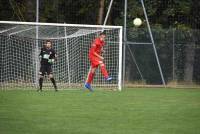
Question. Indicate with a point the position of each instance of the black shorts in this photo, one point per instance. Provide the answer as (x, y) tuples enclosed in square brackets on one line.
[(45, 69)]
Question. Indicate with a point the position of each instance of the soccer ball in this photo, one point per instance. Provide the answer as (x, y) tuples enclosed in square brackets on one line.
[(137, 22)]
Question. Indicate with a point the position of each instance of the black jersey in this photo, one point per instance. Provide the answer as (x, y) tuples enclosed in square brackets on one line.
[(47, 54)]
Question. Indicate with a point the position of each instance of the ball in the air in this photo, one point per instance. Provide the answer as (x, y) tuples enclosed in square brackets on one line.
[(137, 22)]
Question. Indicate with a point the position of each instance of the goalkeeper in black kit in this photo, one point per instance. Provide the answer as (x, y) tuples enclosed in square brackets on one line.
[(48, 57)]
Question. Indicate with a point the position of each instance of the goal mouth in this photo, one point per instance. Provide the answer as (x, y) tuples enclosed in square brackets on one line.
[(21, 43)]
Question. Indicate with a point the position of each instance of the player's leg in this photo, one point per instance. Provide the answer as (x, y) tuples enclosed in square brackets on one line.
[(53, 81), (90, 78), (91, 75), (40, 82), (105, 72), (41, 76), (50, 74)]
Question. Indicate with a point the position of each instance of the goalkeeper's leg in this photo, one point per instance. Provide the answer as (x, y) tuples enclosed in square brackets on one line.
[(53, 81), (40, 82), (41, 75), (49, 72)]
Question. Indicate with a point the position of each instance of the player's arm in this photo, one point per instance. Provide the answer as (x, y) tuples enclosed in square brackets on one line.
[(93, 51), (53, 57), (95, 45), (41, 53), (99, 56)]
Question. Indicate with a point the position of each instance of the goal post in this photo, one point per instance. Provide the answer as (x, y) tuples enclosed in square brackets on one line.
[(71, 41)]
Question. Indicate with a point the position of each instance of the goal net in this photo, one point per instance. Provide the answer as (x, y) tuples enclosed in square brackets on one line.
[(21, 42)]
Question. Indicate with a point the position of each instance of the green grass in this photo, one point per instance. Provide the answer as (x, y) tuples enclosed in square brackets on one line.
[(132, 111)]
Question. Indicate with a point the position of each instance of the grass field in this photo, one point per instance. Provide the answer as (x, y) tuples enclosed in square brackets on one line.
[(132, 111)]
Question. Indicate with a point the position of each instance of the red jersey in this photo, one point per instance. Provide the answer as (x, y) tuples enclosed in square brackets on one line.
[(97, 45)]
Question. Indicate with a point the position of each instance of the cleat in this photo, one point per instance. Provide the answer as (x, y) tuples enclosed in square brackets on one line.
[(108, 78), (88, 86)]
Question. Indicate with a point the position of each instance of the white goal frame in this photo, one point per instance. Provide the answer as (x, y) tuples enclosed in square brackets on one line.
[(82, 25)]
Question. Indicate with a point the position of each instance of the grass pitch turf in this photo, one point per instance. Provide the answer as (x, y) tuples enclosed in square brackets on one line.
[(132, 111)]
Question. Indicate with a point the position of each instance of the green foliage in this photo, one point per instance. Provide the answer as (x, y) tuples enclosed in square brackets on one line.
[(166, 13)]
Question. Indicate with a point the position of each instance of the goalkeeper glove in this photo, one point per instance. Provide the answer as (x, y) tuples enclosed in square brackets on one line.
[(51, 61)]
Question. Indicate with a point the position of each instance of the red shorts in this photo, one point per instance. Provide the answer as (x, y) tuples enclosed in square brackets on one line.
[(95, 62)]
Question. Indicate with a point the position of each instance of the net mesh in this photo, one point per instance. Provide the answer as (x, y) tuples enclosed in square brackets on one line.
[(20, 55)]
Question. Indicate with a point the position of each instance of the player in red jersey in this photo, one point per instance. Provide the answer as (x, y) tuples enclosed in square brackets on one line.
[(96, 59)]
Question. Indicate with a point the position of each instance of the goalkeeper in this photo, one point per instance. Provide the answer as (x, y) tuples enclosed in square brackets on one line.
[(48, 56), (96, 60)]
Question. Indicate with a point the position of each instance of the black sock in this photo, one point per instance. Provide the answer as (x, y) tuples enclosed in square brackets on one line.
[(40, 83), (54, 83)]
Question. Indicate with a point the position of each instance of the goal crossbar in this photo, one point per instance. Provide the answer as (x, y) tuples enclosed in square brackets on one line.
[(58, 24)]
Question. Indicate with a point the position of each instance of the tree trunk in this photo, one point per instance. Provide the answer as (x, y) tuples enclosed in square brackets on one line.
[(101, 12), (189, 63), (30, 10)]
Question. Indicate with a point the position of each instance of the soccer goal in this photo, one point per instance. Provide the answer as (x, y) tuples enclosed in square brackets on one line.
[(20, 44)]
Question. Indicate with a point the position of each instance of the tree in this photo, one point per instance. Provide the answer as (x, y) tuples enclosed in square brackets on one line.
[(101, 12), (30, 6)]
